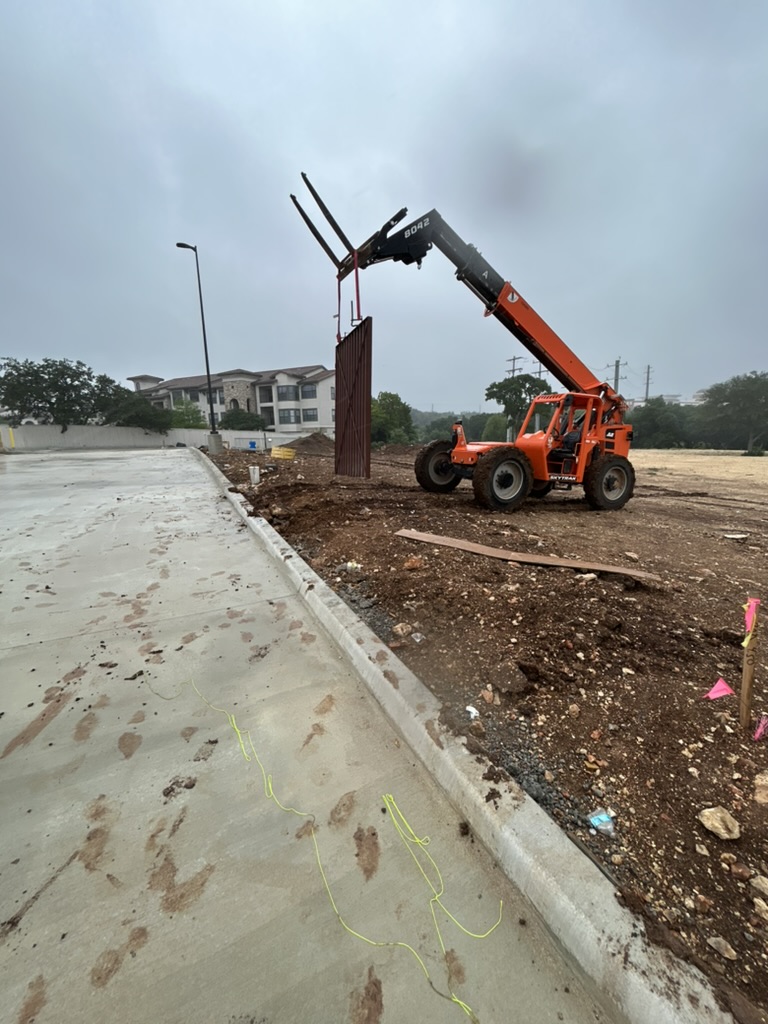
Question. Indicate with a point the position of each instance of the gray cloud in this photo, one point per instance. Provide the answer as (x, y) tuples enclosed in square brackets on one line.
[(609, 159)]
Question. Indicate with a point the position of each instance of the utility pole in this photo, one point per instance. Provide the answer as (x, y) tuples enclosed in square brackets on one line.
[(540, 372), (616, 377), (647, 380), (514, 360)]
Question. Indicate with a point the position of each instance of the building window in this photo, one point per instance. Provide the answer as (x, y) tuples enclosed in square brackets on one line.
[(268, 415), (220, 397), (287, 393), (194, 395), (309, 390), (333, 415), (177, 395), (309, 415), (290, 416), (265, 394), (234, 404), (333, 394), (248, 405)]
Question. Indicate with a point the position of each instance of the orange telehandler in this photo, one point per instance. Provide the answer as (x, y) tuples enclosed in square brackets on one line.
[(576, 437)]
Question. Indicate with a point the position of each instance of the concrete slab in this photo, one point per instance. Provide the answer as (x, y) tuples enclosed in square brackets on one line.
[(637, 979), (144, 875)]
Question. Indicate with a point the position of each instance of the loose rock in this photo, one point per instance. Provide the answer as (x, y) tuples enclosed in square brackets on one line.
[(720, 821), (760, 882), (761, 788), (702, 904), (741, 871), (402, 629), (718, 943), (414, 562)]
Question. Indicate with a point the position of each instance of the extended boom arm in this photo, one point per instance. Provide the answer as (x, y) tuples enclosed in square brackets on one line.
[(411, 244)]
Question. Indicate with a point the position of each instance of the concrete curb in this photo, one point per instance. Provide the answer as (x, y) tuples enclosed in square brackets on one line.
[(636, 980)]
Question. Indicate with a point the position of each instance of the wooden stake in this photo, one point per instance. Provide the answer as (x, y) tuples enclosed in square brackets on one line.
[(747, 676)]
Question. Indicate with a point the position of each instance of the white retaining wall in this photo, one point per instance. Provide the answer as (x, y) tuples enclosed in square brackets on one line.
[(39, 438)]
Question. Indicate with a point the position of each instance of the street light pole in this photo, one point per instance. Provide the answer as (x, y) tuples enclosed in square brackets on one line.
[(184, 245)]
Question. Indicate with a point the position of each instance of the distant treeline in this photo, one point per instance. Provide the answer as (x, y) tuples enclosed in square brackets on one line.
[(733, 415)]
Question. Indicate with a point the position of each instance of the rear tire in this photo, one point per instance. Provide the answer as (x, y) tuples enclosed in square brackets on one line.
[(609, 482), (502, 479), (434, 470)]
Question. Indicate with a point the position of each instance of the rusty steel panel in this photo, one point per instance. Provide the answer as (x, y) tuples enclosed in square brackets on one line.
[(353, 401)]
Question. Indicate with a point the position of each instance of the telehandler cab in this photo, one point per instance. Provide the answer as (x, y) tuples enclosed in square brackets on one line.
[(578, 437)]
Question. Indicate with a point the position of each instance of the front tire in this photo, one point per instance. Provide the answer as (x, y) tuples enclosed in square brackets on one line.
[(434, 469), (502, 479), (609, 482)]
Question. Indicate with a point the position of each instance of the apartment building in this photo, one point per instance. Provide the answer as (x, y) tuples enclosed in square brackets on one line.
[(291, 400)]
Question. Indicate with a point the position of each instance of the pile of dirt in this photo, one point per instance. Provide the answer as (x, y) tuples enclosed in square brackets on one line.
[(315, 444), (589, 688)]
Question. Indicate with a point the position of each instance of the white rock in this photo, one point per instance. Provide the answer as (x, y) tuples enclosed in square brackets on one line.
[(760, 882), (720, 821), (761, 788), (701, 849), (718, 943), (632, 556), (402, 629), (761, 908)]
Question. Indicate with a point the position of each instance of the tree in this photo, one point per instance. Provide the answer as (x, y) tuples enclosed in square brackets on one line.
[(391, 420), (131, 410), (187, 416), (240, 419), (423, 421), (734, 413), (474, 424), (495, 428), (55, 391), (438, 427), (515, 394), (660, 424)]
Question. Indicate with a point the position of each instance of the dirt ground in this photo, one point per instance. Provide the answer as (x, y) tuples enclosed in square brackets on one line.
[(589, 688)]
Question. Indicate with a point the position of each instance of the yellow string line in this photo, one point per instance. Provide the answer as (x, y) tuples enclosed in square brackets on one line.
[(404, 831)]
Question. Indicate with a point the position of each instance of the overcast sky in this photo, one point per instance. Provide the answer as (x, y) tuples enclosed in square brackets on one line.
[(607, 156)]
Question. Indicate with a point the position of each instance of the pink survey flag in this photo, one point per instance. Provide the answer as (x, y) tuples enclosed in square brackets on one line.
[(750, 611), (720, 689)]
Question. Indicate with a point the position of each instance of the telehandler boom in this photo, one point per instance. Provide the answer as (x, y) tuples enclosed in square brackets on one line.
[(578, 437)]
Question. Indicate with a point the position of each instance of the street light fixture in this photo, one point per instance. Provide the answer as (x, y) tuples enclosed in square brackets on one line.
[(215, 444)]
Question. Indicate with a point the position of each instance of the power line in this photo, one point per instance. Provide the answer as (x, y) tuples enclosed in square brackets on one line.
[(514, 360)]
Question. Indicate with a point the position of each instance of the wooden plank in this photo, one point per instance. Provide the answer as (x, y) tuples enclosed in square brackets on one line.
[(525, 557)]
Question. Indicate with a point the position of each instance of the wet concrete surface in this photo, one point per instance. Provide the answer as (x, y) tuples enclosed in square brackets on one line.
[(144, 873)]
